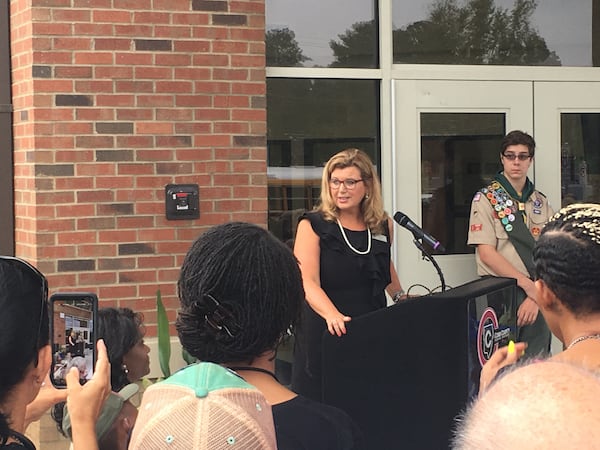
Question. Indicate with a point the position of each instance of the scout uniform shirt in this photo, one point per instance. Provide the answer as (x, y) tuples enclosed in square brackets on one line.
[(486, 227)]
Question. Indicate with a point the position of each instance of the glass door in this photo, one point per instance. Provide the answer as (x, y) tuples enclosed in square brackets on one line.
[(456, 128), (567, 123)]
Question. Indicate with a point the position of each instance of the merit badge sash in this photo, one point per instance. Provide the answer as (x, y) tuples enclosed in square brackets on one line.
[(510, 213)]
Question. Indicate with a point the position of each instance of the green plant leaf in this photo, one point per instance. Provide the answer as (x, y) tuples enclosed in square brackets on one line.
[(164, 339), (189, 359)]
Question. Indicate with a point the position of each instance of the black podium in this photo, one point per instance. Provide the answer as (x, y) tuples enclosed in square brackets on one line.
[(405, 372)]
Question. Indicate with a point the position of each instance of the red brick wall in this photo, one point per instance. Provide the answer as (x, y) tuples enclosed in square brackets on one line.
[(113, 100)]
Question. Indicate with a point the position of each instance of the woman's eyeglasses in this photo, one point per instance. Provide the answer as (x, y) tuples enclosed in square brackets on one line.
[(520, 156), (349, 183), (24, 266)]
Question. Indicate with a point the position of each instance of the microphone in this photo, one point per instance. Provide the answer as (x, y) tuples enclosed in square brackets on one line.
[(417, 231)]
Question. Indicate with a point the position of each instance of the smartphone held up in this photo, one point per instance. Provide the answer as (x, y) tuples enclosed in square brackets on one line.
[(72, 328)]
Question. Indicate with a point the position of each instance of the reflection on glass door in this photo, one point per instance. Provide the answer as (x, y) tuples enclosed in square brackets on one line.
[(459, 155), (309, 120), (580, 158), (567, 133)]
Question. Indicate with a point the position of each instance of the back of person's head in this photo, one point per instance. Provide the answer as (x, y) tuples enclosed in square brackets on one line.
[(24, 324), (121, 329), (240, 290), (544, 405), (567, 257), (518, 137), (115, 422), (117, 437), (372, 205), (205, 407)]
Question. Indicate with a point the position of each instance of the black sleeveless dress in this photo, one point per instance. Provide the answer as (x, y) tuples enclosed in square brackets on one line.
[(354, 283)]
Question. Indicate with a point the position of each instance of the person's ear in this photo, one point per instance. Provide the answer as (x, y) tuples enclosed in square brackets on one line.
[(44, 361), (545, 297)]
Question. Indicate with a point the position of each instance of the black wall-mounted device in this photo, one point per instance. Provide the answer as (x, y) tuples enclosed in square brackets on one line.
[(182, 201)]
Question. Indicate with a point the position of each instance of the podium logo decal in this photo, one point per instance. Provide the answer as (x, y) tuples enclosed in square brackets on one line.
[(486, 340)]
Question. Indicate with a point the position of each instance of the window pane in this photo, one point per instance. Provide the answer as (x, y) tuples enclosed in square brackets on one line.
[(580, 158), (309, 120), (322, 33), (459, 156), (547, 33)]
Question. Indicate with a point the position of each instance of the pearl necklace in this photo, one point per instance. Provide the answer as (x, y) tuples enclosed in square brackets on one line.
[(583, 338), (358, 252)]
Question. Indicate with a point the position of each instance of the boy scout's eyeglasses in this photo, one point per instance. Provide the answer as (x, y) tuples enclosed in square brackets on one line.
[(520, 156), (25, 266)]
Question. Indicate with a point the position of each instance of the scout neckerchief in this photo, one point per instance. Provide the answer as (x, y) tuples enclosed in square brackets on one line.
[(509, 208)]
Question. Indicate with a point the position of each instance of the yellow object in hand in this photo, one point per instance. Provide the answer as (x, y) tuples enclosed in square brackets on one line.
[(511, 347)]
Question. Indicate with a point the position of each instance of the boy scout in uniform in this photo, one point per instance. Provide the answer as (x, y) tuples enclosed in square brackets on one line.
[(506, 218)]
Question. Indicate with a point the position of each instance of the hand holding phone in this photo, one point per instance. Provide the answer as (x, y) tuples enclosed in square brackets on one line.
[(72, 328)]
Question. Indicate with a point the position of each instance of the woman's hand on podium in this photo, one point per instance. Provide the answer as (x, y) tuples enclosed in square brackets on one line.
[(336, 323), (502, 357)]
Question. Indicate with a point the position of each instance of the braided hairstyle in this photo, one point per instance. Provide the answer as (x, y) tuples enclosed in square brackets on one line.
[(240, 290), (567, 257), (24, 326)]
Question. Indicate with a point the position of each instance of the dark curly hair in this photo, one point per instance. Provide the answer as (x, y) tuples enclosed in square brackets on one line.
[(24, 325), (567, 257), (121, 329), (240, 290)]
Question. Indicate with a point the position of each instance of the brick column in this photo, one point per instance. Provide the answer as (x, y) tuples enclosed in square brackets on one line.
[(114, 99)]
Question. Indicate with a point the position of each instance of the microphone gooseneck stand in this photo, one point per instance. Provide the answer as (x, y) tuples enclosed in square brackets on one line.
[(428, 256)]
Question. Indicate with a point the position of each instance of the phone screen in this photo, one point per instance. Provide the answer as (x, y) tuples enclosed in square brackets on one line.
[(73, 316)]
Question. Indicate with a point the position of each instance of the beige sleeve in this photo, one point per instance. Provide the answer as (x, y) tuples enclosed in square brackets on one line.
[(481, 222)]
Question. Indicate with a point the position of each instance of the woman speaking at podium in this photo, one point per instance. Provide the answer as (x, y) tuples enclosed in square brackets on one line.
[(343, 248)]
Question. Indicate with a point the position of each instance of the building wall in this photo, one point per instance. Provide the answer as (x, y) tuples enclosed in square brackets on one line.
[(113, 100)]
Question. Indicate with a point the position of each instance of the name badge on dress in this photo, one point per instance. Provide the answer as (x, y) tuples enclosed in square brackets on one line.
[(380, 237)]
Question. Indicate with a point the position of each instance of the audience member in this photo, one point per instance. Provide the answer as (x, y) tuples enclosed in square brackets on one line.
[(203, 407), (541, 406), (123, 332), (116, 420), (567, 264), (241, 293), (502, 357), (26, 352)]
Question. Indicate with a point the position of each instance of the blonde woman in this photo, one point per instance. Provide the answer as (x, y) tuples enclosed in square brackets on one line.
[(343, 248)]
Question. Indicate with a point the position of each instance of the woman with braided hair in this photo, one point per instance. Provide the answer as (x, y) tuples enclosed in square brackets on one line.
[(241, 294), (567, 265)]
